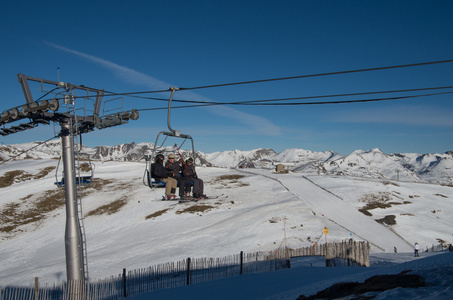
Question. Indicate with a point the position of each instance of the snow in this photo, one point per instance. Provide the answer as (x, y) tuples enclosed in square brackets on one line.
[(308, 280), (252, 213)]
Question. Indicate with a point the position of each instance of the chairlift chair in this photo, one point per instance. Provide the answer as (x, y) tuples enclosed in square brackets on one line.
[(83, 178), (173, 133)]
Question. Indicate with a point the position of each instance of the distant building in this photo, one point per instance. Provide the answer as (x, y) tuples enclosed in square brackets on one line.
[(280, 168)]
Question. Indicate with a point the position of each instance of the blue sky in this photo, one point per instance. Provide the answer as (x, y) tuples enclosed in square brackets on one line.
[(133, 46)]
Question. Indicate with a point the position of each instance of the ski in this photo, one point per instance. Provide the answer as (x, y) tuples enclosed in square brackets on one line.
[(191, 199), (164, 198), (204, 197), (187, 200)]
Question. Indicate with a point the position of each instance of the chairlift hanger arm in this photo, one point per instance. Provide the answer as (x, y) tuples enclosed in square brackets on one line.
[(175, 132)]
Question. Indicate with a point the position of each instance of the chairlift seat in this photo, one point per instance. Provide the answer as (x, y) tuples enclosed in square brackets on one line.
[(84, 180), (158, 183)]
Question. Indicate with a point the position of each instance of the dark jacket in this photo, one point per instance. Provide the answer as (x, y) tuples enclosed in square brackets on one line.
[(189, 171), (158, 171), (173, 169)]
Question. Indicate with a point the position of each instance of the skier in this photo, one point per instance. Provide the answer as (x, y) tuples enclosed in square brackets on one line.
[(159, 173), (174, 171), (416, 248), (198, 186)]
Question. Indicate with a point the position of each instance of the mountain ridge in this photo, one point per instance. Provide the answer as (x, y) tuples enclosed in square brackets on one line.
[(429, 167)]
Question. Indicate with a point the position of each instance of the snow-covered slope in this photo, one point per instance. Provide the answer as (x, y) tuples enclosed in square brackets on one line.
[(127, 226)]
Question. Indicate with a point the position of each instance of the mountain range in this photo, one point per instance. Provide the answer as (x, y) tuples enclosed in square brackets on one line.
[(431, 167)]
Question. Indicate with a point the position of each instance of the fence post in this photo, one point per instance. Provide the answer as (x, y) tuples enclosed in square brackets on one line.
[(242, 262), (329, 255), (124, 283), (36, 288), (188, 271)]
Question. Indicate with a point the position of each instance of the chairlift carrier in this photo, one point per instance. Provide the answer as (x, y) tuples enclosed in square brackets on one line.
[(81, 179), (173, 133)]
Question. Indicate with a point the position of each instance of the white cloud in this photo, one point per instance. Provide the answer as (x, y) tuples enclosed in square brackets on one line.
[(255, 124), (123, 73)]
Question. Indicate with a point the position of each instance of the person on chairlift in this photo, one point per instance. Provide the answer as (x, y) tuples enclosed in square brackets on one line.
[(189, 172), (174, 169), (160, 173)]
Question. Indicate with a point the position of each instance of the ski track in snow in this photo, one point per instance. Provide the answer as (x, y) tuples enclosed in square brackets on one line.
[(325, 203)]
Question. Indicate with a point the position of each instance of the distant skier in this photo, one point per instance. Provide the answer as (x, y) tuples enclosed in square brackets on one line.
[(198, 186), (159, 173), (416, 249), (395, 250)]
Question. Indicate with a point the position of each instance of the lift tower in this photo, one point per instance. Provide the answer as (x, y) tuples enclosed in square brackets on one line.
[(77, 109)]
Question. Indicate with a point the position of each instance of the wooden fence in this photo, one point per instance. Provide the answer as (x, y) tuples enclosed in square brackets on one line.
[(345, 253), (139, 281), (189, 271)]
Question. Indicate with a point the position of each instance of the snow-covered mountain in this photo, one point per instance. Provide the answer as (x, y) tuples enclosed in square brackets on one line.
[(373, 163)]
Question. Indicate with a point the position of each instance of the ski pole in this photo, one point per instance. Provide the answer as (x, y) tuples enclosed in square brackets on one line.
[(180, 156)]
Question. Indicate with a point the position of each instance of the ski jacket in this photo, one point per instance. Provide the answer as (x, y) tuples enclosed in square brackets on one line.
[(158, 171), (189, 171), (173, 169)]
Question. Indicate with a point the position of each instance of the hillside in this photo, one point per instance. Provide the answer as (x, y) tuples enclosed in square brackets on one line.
[(127, 226)]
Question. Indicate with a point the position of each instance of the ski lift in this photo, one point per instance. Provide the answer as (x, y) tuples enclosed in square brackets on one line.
[(147, 178), (84, 177)]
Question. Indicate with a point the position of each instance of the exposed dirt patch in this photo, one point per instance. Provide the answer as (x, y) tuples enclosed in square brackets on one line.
[(35, 208), (379, 283), (85, 167), (387, 220), (156, 214), (30, 209), (99, 184), (440, 195), (230, 181), (110, 208), (16, 176), (201, 208), (229, 177), (380, 200), (390, 183)]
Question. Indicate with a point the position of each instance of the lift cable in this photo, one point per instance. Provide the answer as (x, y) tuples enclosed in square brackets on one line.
[(200, 103), (283, 78), (302, 103), (317, 75), (350, 101), (312, 97)]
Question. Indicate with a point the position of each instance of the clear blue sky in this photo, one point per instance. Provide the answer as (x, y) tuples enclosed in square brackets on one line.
[(131, 46)]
